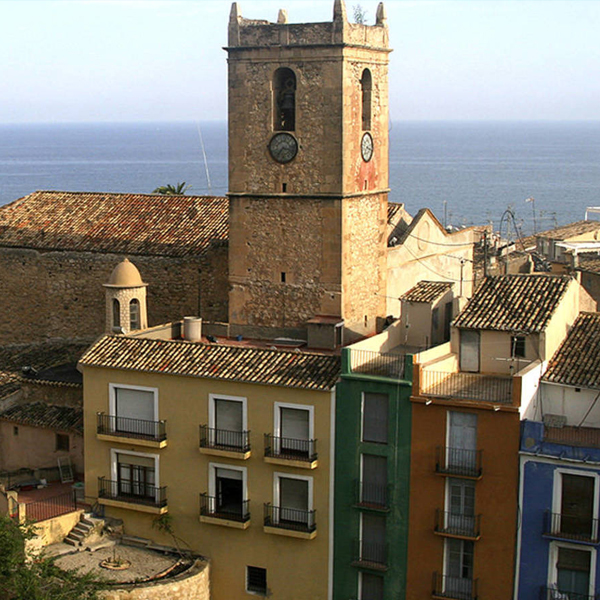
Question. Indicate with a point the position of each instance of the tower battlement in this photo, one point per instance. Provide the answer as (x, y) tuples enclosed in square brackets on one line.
[(252, 33)]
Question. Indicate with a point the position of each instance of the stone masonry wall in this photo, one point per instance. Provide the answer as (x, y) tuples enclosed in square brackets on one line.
[(59, 294), (194, 584)]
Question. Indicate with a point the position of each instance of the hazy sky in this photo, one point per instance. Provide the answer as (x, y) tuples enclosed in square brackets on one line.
[(126, 60)]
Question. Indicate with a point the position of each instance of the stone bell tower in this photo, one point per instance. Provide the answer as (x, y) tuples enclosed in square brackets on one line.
[(308, 173)]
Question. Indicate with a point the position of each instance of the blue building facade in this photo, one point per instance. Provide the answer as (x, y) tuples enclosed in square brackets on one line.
[(558, 535)]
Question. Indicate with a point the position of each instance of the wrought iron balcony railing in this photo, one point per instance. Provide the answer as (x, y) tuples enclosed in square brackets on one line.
[(211, 506), (224, 439), (458, 461), (290, 518), (131, 428), (466, 386), (290, 448), (462, 526), (454, 588), (370, 555), (571, 527), (373, 495), (133, 492), (555, 593)]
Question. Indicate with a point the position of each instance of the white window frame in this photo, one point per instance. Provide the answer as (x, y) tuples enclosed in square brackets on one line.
[(277, 417), (553, 559), (112, 396), (277, 487), (557, 492), (212, 413), (212, 478), (114, 463)]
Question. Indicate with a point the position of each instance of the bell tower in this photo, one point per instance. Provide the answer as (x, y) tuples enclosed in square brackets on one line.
[(308, 173)]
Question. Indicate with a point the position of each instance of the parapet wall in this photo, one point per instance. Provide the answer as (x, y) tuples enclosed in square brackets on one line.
[(193, 584)]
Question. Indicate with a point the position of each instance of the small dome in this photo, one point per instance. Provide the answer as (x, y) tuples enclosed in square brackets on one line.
[(125, 275)]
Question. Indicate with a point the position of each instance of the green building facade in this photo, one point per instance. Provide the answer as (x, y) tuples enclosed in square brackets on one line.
[(372, 473)]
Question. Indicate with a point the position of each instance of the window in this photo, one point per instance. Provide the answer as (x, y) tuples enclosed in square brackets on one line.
[(227, 490), (517, 346), (116, 308), (372, 539), (447, 320), (461, 453), (134, 410), (373, 481), (460, 507), (293, 502), (134, 314), (284, 97), (294, 425), (227, 416), (469, 351), (458, 571), (575, 504), (573, 572), (375, 418), (15, 430), (62, 442), (371, 587), (256, 580), (135, 475), (365, 87)]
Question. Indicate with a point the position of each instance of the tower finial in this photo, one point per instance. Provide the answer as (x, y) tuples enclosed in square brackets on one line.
[(339, 11), (282, 17), (233, 31), (381, 18), (235, 12)]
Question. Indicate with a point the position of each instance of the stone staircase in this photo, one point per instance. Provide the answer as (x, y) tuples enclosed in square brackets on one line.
[(87, 527)]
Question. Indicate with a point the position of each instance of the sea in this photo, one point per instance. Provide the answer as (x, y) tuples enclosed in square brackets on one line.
[(467, 173)]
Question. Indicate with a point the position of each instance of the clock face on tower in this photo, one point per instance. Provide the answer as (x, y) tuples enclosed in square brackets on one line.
[(283, 147), (366, 147)]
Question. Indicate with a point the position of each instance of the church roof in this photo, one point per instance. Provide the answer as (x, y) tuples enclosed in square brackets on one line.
[(523, 303), (142, 224), (265, 366)]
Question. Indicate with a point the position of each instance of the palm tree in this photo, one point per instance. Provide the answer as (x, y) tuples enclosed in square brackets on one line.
[(172, 190)]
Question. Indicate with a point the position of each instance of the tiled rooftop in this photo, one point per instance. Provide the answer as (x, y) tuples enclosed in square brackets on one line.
[(217, 361), (523, 303), (589, 261), (427, 291), (143, 224), (577, 360), (572, 229), (40, 414)]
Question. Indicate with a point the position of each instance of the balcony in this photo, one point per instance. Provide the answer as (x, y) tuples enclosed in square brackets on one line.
[(370, 555), (458, 462), (466, 527), (571, 527), (222, 442), (235, 514), (453, 588), (292, 522), (139, 431), (372, 496), (131, 494), (291, 452), (554, 593), (495, 389), (377, 364)]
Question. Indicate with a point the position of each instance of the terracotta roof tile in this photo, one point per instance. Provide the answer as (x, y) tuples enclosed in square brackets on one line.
[(570, 230), (40, 414), (514, 303), (577, 360), (217, 361), (589, 262), (427, 291), (146, 224)]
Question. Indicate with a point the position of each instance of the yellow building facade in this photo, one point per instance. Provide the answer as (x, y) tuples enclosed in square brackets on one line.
[(241, 464)]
